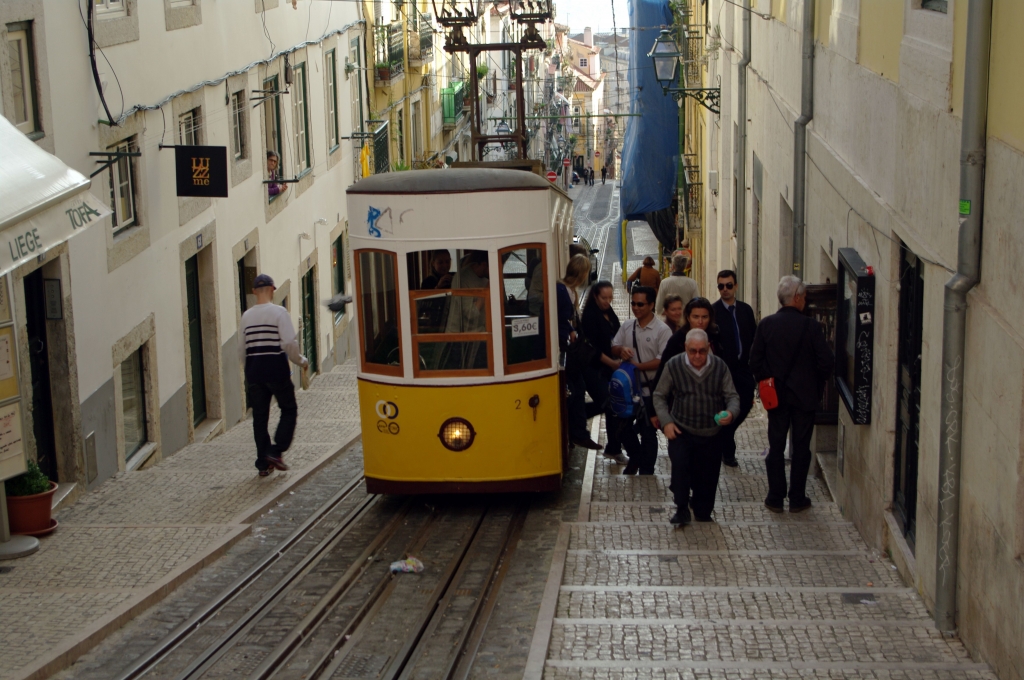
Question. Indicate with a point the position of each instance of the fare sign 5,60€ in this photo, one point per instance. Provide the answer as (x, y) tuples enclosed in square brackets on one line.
[(201, 171)]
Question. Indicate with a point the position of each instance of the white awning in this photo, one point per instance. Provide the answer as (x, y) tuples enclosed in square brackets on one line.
[(43, 202)]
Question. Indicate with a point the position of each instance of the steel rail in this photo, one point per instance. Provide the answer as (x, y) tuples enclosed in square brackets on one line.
[(205, 661), (173, 640)]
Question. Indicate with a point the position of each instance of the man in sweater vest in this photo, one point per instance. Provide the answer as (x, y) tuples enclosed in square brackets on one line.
[(266, 341), (703, 400)]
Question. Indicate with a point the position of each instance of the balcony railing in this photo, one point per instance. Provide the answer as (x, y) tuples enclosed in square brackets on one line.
[(694, 50), (390, 51), (453, 100), (426, 37), (381, 151)]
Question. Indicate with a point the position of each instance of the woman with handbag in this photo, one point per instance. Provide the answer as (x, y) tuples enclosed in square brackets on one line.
[(645, 275), (578, 353), (600, 324)]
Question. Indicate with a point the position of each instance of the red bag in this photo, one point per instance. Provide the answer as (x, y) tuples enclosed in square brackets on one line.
[(769, 398)]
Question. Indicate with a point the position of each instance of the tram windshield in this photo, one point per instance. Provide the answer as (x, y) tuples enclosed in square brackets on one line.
[(451, 310), (523, 294)]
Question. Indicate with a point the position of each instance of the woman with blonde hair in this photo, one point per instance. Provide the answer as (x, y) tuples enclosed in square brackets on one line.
[(577, 273)]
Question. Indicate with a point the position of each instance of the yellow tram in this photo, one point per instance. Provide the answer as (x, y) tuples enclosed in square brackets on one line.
[(459, 386)]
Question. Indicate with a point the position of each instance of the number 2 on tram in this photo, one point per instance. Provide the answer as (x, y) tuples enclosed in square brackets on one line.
[(459, 385)]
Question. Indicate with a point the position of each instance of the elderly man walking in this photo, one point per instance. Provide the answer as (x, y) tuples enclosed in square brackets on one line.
[(791, 348), (676, 283), (695, 399)]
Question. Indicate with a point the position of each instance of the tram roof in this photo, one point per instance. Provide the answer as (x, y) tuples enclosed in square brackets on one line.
[(451, 181)]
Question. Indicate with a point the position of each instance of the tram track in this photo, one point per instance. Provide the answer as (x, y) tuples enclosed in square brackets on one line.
[(340, 613), (173, 641)]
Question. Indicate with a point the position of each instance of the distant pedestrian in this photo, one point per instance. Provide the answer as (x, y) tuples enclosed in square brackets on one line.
[(266, 343), (678, 283), (646, 275), (591, 175), (641, 341), (737, 326), (604, 174), (703, 401), (791, 348)]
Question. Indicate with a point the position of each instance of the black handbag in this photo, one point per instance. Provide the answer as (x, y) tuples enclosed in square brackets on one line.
[(580, 355)]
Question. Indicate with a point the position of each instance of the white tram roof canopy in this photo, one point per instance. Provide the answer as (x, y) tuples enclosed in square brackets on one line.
[(43, 202), (452, 181)]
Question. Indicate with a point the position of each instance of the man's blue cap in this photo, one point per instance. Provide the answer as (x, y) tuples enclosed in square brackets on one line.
[(262, 281)]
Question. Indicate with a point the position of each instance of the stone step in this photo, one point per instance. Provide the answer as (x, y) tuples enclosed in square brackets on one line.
[(746, 570), (659, 606), (751, 511), (731, 488), (751, 536)]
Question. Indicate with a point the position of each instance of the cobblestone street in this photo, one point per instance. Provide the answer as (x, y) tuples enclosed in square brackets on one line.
[(752, 595), (126, 546)]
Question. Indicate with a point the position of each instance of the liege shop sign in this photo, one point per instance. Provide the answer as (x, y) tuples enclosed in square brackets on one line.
[(201, 170)]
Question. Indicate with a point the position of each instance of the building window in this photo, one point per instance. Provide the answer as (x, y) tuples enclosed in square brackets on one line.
[(417, 126), (583, 63), (109, 7), (331, 73), (935, 5), (133, 403), (355, 57), (301, 119), (188, 127), (23, 78), (338, 271), (238, 127), (122, 187)]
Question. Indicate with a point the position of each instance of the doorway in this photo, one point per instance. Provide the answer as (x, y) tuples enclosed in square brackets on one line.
[(195, 340), (246, 298), (309, 319), (908, 397), (39, 365)]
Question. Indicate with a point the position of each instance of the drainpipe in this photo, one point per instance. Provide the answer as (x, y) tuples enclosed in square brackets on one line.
[(800, 140), (954, 320), (740, 223)]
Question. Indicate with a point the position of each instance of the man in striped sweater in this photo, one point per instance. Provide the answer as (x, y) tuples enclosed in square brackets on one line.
[(694, 399), (266, 341)]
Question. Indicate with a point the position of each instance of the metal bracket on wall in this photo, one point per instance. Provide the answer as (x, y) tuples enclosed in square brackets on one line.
[(708, 97), (111, 157)]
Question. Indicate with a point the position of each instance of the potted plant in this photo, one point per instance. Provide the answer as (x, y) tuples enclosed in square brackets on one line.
[(383, 70), (481, 71), (29, 502)]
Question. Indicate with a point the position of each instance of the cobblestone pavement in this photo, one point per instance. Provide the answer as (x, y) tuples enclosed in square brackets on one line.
[(128, 544), (752, 595)]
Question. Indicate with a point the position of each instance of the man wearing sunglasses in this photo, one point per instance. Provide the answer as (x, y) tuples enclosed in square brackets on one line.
[(641, 341), (736, 329)]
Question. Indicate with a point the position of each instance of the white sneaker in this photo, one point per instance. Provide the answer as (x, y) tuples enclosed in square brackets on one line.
[(620, 459)]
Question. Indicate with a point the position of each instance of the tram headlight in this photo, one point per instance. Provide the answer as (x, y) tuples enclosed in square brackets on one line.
[(456, 434)]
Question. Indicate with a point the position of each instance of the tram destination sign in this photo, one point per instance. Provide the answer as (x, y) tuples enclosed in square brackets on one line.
[(201, 171)]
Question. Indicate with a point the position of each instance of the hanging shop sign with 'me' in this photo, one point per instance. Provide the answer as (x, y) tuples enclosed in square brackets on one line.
[(201, 171)]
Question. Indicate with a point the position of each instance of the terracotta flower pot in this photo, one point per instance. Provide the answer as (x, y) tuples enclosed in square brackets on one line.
[(29, 514)]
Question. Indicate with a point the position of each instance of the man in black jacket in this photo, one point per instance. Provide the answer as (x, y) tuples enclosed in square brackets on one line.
[(736, 328), (791, 348)]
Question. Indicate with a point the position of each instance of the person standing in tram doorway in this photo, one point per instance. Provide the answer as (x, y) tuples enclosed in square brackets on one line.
[(266, 342)]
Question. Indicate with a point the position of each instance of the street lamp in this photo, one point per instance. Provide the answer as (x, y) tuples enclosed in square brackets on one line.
[(504, 129), (665, 54)]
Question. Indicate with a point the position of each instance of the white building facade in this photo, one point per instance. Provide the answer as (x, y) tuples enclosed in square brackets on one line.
[(145, 359)]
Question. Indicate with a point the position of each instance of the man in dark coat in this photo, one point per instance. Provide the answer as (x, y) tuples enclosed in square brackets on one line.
[(736, 328), (791, 348)]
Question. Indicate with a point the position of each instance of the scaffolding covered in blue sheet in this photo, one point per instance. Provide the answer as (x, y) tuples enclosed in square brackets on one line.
[(650, 149)]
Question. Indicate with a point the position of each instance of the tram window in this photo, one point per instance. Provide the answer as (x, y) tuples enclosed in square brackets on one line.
[(455, 304), (524, 300), (378, 306)]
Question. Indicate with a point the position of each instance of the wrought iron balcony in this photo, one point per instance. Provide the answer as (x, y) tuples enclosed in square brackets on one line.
[(389, 52)]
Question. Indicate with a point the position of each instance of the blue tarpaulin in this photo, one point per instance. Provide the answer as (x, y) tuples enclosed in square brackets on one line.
[(650, 150)]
